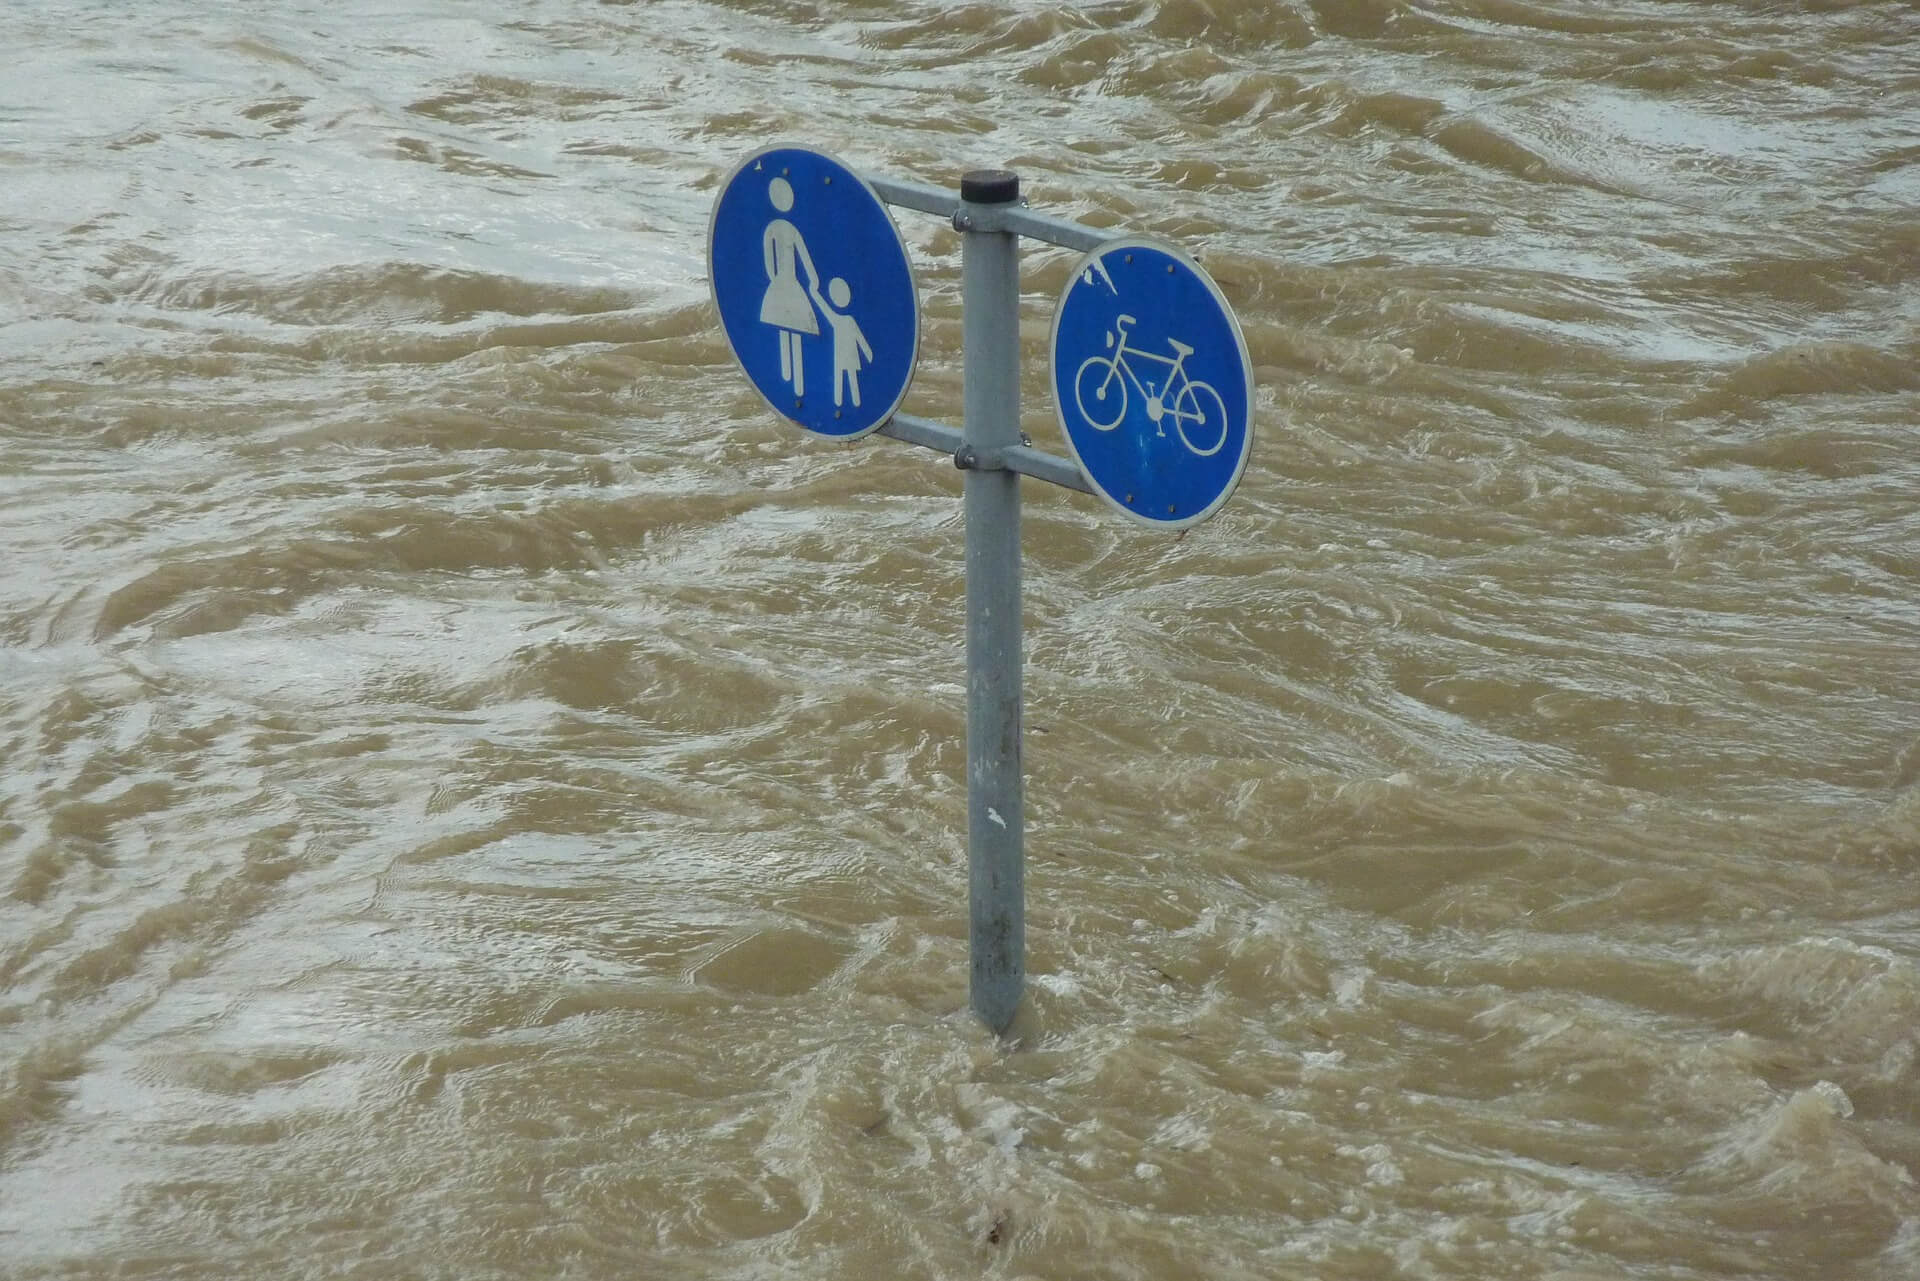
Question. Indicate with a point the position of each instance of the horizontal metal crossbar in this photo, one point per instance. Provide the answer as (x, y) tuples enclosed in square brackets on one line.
[(1024, 459), (1021, 221), (1018, 219)]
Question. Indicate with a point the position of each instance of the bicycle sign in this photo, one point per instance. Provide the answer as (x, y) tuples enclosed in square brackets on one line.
[(1152, 383), (1191, 404)]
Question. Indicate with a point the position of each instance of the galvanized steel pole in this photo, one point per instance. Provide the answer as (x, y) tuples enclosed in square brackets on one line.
[(996, 854)]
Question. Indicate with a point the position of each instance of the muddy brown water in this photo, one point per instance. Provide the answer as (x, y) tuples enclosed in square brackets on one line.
[(484, 800)]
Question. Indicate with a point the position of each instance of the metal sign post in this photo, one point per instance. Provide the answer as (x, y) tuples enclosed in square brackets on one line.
[(787, 219), (996, 849)]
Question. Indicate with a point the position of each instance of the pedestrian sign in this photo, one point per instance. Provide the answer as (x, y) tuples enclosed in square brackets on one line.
[(814, 289), (1152, 383)]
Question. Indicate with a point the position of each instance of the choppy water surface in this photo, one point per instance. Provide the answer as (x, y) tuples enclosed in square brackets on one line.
[(484, 800)]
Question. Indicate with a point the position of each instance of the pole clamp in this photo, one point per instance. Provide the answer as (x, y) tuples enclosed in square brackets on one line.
[(967, 458)]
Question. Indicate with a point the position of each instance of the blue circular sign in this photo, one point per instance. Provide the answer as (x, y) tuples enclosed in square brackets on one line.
[(814, 290), (1152, 383)]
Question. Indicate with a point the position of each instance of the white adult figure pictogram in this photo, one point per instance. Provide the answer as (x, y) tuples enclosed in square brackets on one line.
[(787, 305)]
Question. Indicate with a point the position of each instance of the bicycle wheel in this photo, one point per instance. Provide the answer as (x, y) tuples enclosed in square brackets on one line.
[(1199, 415), (1102, 398)]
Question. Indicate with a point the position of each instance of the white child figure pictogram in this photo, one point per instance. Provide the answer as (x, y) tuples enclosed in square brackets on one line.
[(850, 348)]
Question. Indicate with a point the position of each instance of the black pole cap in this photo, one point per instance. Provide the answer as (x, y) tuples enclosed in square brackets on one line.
[(990, 187)]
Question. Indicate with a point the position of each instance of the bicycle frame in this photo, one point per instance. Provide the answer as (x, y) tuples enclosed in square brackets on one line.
[(1177, 368)]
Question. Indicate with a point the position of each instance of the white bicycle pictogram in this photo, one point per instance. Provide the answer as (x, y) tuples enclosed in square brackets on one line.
[(1190, 403)]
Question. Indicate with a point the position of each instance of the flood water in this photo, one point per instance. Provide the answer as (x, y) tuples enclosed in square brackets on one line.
[(485, 799)]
